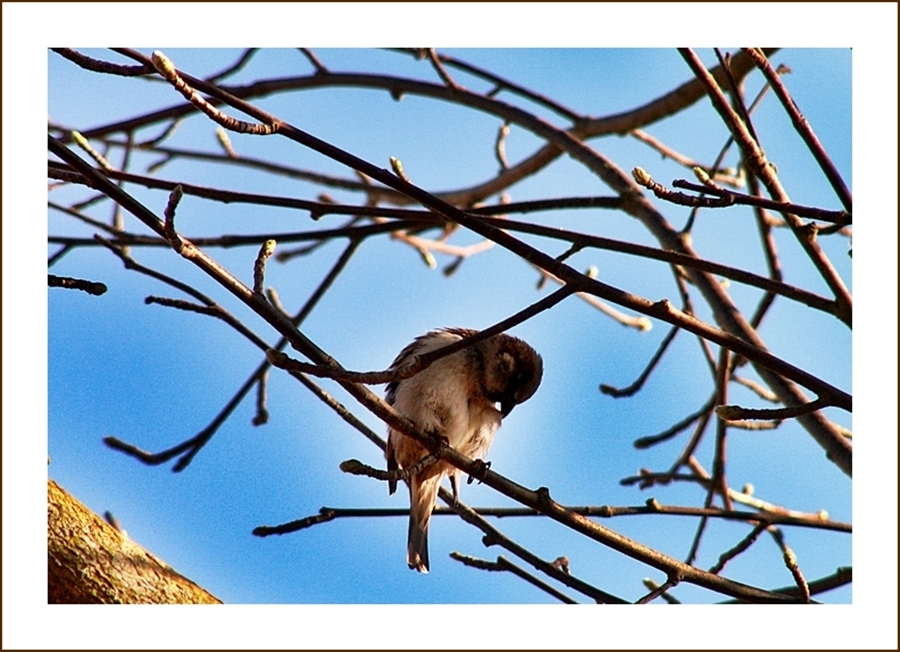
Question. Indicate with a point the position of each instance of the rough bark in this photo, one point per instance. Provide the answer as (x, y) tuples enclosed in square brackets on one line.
[(90, 562)]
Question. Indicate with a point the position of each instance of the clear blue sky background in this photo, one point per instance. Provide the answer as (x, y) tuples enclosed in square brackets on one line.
[(153, 376)]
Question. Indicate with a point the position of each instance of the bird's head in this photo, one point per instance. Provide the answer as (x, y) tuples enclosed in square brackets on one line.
[(512, 371)]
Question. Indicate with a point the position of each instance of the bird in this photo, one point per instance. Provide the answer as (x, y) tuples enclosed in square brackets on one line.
[(462, 398)]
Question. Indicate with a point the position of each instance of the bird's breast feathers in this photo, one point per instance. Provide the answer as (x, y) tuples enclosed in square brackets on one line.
[(447, 398)]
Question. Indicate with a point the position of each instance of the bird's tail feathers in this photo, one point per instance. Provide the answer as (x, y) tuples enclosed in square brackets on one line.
[(422, 496)]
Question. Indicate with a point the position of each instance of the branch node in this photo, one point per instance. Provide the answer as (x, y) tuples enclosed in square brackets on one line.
[(542, 494)]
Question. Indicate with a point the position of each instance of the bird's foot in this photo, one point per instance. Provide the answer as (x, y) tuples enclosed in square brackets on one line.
[(480, 472)]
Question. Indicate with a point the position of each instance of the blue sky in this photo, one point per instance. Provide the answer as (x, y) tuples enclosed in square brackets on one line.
[(153, 376)]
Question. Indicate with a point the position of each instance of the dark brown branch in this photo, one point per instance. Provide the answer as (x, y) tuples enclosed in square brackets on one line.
[(737, 98), (319, 209), (57, 256), (720, 457), (214, 310), (325, 514), (262, 413), (841, 577), (772, 262), (131, 264), (494, 537), (643, 178), (169, 219)]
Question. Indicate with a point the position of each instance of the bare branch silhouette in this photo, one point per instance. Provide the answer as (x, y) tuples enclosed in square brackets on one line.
[(553, 238)]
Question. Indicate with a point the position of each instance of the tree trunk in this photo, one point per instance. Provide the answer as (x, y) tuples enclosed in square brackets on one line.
[(90, 562)]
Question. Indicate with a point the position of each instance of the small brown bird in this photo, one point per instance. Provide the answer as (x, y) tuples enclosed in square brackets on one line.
[(456, 398)]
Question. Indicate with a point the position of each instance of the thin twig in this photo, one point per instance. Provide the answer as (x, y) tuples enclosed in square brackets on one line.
[(790, 560), (841, 577), (658, 591), (650, 584), (668, 433), (736, 412), (442, 73), (314, 60), (500, 146), (83, 143), (652, 507), (97, 65), (740, 547), (169, 219), (721, 175), (167, 69), (91, 287), (233, 68), (615, 392), (259, 266), (841, 218), (503, 564)]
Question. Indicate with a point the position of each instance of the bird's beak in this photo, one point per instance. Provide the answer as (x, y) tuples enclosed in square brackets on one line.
[(506, 406)]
